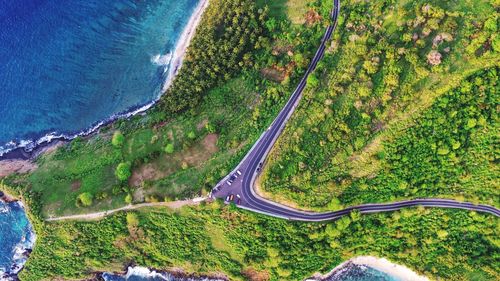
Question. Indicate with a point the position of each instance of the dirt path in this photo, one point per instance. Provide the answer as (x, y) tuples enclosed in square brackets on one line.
[(103, 214)]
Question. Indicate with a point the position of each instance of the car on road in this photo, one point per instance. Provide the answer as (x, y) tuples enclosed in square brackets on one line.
[(259, 167), (238, 172), (229, 182), (227, 198), (231, 197)]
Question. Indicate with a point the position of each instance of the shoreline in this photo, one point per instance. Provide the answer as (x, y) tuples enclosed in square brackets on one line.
[(24, 248), (28, 150), (177, 273), (381, 264)]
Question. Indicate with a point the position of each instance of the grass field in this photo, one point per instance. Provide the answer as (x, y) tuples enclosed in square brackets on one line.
[(89, 165)]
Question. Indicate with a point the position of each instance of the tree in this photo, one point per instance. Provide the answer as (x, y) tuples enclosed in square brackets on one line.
[(312, 81), (191, 135), (118, 139), (85, 199), (128, 199), (123, 171), (169, 148)]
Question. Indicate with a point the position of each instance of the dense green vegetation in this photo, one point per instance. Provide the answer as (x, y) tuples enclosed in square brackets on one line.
[(375, 122), (452, 150), (225, 38), (175, 156), (447, 244), (399, 107)]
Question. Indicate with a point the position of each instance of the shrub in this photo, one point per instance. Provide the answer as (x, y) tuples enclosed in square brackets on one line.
[(312, 81), (128, 199), (85, 199), (169, 148), (118, 139), (123, 171), (191, 135)]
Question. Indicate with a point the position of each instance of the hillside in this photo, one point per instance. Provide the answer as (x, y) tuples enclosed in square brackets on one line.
[(404, 105)]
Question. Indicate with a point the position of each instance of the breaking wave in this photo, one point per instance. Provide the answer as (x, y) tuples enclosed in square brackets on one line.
[(139, 273)]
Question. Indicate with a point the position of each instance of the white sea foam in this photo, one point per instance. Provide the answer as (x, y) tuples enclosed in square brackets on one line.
[(144, 272), (19, 252), (2, 272), (163, 60), (381, 264), (147, 274)]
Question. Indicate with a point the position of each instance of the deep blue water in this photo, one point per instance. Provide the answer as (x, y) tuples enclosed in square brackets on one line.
[(66, 65), (16, 235), (353, 272)]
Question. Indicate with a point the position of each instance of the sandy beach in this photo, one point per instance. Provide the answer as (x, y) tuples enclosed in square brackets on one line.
[(381, 264), (183, 43)]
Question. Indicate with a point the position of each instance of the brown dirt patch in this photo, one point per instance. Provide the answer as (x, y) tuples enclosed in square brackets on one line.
[(76, 185), (146, 172), (273, 74), (312, 17), (195, 155), (8, 167), (169, 164), (254, 275), (210, 143), (202, 124), (280, 49)]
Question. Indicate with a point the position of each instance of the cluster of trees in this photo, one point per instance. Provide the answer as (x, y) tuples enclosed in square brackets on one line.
[(450, 152), (225, 39), (373, 82), (442, 244)]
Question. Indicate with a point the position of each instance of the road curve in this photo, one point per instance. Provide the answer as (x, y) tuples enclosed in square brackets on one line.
[(249, 167)]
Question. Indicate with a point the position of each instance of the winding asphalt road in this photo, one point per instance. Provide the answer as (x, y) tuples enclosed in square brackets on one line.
[(251, 164)]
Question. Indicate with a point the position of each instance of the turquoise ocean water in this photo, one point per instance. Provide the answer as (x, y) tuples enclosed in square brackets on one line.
[(65, 66), (16, 239)]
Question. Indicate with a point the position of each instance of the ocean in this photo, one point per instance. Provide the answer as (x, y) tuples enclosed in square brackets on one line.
[(16, 237), (65, 66)]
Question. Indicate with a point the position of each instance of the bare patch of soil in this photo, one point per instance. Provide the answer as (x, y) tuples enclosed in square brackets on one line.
[(168, 164), (254, 275), (76, 185), (273, 74), (202, 124), (312, 17), (8, 167)]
